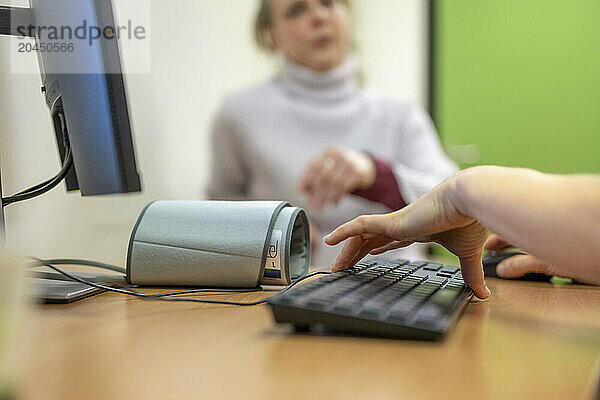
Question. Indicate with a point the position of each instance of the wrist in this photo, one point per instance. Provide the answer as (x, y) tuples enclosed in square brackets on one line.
[(472, 186)]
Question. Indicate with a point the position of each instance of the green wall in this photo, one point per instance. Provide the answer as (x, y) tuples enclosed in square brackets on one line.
[(521, 80)]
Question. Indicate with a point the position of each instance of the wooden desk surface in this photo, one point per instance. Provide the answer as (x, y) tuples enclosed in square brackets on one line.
[(530, 340)]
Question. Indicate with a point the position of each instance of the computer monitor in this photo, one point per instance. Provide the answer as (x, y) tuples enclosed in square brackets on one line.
[(85, 82), (83, 85)]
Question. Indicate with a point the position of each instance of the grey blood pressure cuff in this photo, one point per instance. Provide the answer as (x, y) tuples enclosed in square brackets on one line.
[(218, 244)]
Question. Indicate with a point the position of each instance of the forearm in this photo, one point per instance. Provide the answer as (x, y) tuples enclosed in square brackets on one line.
[(556, 218), (415, 183)]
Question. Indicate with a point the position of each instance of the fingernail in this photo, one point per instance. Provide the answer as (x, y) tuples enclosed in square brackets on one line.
[(326, 238), (488, 292)]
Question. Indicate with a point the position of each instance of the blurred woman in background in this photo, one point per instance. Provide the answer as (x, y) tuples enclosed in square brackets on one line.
[(313, 137)]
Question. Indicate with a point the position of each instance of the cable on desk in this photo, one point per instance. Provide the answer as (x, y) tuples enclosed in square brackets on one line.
[(168, 296), (88, 263), (42, 263)]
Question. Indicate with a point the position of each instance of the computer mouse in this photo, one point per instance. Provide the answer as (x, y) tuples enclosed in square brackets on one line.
[(491, 261)]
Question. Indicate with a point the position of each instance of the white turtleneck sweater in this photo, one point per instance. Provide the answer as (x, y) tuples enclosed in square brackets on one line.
[(265, 137)]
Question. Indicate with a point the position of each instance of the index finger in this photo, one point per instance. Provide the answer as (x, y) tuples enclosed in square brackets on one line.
[(348, 253), (374, 224)]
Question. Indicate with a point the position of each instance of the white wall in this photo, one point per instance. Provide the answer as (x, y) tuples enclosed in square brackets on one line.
[(201, 50), (392, 38)]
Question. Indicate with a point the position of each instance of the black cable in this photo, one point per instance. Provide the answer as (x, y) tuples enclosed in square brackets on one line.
[(51, 183), (165, 296), (96, 264), (40, 185), (27, 194), (56, 113)]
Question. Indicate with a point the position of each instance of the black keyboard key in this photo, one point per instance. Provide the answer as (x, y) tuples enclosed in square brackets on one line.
[(426, 287), (364, 265), (455, 284), (438, 280), (418, 276), (370, 272), (403, 271), (432, 267), (394, 276), (419, 263), (450, 270), (408, 267)]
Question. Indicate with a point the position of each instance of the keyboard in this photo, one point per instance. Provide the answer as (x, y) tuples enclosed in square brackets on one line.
[(398, 299)]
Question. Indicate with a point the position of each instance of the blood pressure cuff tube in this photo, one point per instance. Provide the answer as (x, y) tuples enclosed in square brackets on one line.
[(218, 244)]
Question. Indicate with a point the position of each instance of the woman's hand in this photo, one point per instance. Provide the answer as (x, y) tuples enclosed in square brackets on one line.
[(436, 217), (517, 266), (336, 173)]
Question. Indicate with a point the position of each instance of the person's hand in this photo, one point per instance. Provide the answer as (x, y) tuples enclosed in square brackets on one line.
[(336, 173), (517, 266), (436, 217)]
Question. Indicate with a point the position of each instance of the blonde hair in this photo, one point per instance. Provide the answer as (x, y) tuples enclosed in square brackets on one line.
[(264, 21)]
